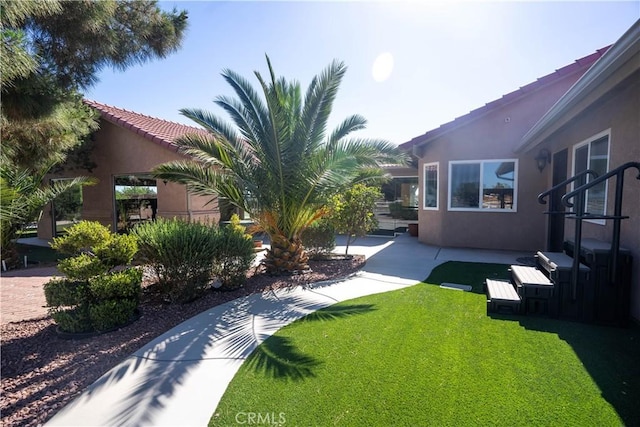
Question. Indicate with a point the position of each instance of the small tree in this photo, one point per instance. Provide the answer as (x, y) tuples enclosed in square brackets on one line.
[(352, 212)]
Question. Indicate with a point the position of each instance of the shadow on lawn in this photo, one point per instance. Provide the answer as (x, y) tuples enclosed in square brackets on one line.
[(609, 354), (468, 273), (278, 357)]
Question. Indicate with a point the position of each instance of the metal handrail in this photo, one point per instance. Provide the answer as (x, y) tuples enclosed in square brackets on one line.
[(617, 171), (581, 178), (617, 215), (564, 183)]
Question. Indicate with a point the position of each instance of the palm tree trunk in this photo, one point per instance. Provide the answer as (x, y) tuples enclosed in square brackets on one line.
[(286, 256)]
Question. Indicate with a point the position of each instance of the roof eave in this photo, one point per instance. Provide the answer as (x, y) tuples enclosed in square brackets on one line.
[(577, 66), (622, 51)]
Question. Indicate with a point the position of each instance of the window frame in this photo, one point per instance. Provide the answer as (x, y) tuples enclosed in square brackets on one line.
[(588, 143), (424, 186), (482, 162)]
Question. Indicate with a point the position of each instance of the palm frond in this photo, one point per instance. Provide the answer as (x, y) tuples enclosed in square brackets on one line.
[(347, 126), (250, 130), (276, 160), (219, 128), (253, 105), (202, 180), (319, 100)]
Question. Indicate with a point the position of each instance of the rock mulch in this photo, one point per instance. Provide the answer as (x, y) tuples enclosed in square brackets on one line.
[(41, 372)]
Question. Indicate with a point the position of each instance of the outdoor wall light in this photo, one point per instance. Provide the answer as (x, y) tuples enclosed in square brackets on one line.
[(543, 158)]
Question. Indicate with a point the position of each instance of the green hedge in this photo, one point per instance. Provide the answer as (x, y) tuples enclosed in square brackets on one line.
[(319, 239), (181, 254), (82, 267), (93, 297), (187, 256), (119, 285), (234, 258), (64, 292), (110, 314), (72, 320)]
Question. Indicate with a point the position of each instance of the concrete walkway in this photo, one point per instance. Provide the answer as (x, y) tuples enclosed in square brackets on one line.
[(179, 378)]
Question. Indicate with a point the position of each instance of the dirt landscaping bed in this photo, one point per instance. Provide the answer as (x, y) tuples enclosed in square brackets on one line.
[(41, 372)]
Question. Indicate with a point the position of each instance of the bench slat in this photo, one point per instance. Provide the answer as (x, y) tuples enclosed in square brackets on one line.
[(501, 291), (529, 276)]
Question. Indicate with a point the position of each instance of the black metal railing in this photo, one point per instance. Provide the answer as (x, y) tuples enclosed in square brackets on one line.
[(617, 217), (581, 177), (562, 185)]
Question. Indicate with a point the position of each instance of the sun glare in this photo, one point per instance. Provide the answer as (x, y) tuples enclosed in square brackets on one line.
[(382, 67)]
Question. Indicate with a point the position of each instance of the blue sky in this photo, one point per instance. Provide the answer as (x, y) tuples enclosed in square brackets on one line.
[(448, 57)]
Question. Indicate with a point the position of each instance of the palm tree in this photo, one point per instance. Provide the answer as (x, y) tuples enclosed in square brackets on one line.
[(278, 163)]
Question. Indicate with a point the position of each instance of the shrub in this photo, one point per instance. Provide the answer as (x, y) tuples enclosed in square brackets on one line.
[(234, 224), (181, 254), (395, 210), (118, 250), (110, 314), (120, 285), (64, 292), (81, 267), (73, 320), (319, 239), (234, 258), (82, 236), (399, 211), (93, 297)]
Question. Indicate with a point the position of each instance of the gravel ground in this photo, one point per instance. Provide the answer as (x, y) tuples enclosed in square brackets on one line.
[(41, 372)]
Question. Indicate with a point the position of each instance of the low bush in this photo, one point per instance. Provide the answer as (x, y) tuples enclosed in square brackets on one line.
[(399, 211), (64, 292), (82, 267), (319, 239), (93, 297), (119, 285), (234, 258), (236, 225), (82, 236), (72, 320), (118, 250), (110, 314), (181, 255), (186, 256)]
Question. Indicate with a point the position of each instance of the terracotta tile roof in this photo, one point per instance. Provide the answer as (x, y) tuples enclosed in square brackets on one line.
[(579, 65), (162, 132)]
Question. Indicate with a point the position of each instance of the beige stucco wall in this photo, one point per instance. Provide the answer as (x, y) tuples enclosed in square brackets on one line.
[(619, 112), (492, 136), (118, 151)]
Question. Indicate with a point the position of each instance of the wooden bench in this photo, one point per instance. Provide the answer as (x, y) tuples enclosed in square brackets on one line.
[(502, 297)]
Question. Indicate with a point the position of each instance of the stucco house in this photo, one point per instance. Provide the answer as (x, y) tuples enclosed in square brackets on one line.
[(481, 174), (125, 148)]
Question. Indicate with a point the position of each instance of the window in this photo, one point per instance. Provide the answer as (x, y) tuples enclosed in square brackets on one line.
[(594, 154), (136, 200), (66, 208), (487, 185), (403, 190), (431, 186)]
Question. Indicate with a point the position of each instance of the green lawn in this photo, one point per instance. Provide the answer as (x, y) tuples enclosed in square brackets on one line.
[(429, 356)]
